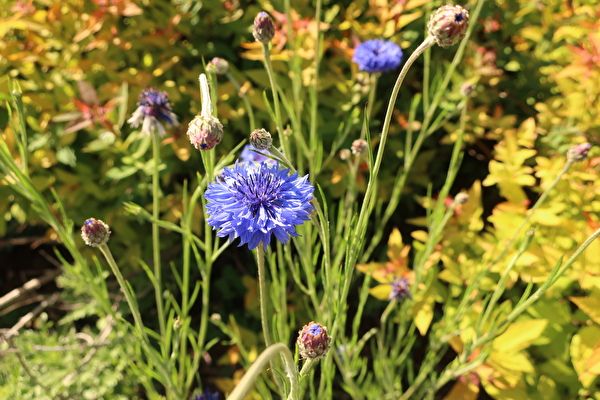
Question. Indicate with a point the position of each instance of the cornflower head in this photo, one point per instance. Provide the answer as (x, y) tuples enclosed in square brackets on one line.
[(255, 202), (377, 56), (313, 340), (218, 65), (400, 289), (579, 152), (95, 232), (448, 25), (250, 154), (153, 110), (205, 131), (208, 395), (263, 29)]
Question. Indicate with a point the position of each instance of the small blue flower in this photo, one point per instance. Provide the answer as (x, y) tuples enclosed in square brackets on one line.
[(208, 395), (153, 110), (249, 154), (377, 56), (400, 289), (255, 202)]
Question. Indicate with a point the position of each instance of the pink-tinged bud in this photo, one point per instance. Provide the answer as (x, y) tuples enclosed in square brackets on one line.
[(448, 25), (261, 139), (359, 146), (400, 289), (263, 29), (95, 232), (461, 198), (579, 152), (345, 154), (218, 65), (205, 132), (313, 341)]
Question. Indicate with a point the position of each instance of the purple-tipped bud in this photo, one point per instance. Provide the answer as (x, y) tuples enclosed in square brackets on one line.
[(218, 65), (95, 232), (153, 112), (345, 154), (448, 25), (263, 29), (205, 132), (261, 139), (461, 198), (400, 289), (313, 340), (579, 152), (467, 89), (359, 146)]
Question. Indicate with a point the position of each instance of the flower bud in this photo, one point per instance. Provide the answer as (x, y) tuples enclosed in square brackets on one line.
[(461, 198), (218, 65), (579, 152), (400, 289), (261, 139), (448, 25), (359, 146), (263, 29), (345, 154), (205, 132), (313, 340), (95, 232), (467, 89)]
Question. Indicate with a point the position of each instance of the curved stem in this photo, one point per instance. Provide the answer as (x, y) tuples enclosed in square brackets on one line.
[(155, 233), (137, 318), (248, 380), (262, 291), (366, 206)]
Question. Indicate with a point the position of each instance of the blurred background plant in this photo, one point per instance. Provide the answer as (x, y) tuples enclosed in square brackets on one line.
[(526, 90)]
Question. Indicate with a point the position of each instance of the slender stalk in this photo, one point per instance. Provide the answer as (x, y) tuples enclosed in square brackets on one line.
[(155, 233), (274, 91), (248, 380), (314, 90), (366, 206), (245, 100), (262, 292), (131, 302), (372, 92)]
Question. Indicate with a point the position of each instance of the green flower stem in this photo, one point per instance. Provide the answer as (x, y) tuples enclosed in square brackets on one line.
[(314, 92), (262, 292), (155, 233), (372, 92), (248, 380), (245, 100), (125, 288), (370, 192), (274, 91)]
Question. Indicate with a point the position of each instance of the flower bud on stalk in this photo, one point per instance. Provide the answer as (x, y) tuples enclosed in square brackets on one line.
[(261, 139), (345, 154), (579, 152), (95, 232), (313, 341), (263, 29), (400, 289), (448, 25), (205, 131), (359, 146), (218, 65)]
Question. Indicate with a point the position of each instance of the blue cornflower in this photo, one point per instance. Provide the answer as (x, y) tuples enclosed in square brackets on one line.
[(208, 395), (153, 110), (377, 56), (400, 289), (249, 154), (255, 202)]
